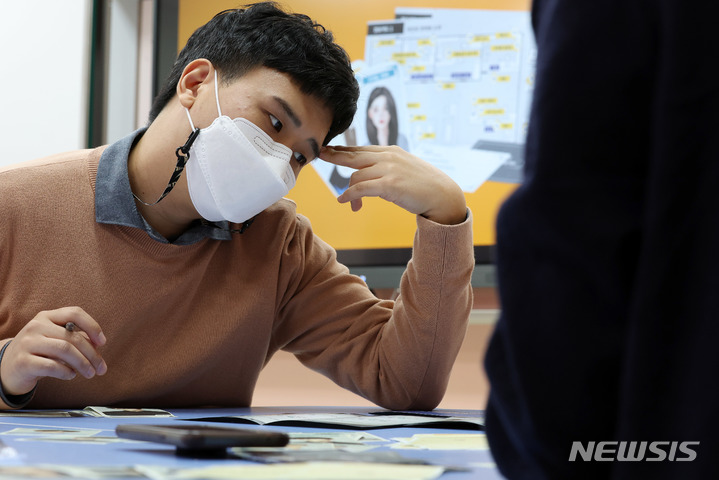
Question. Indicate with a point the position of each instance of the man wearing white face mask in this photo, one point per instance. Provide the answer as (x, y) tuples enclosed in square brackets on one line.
[(173, 270), (237, 169)]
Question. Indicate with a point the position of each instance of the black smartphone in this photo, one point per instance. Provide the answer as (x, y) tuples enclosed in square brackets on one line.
[(202, 437)]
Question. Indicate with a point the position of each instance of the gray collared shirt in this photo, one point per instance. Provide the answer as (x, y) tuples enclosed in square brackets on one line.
[(114, 203)]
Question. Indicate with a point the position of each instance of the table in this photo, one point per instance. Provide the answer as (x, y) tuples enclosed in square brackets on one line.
[(479, 463)]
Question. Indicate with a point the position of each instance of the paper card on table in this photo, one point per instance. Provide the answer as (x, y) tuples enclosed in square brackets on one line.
[(323, 441), (96, 440), (335, 437), (99, 472), (299, 471), (43, 413), (352, 421), (67, 471), (284, 456), (443, 441), (34, 471), (315, 447), (53, 432), (126, 412)]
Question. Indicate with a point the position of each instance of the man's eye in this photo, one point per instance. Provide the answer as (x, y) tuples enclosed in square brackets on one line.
[(276, 124), (300, 158)]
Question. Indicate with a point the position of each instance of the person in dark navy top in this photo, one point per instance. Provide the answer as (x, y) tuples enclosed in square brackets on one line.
[(608, 253)]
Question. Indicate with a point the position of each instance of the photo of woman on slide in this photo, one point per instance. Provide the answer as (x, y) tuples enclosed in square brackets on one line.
[(382, 129), (382, 123)]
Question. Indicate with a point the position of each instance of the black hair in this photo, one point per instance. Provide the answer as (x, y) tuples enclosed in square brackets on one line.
[(393, 127), (261, 34)]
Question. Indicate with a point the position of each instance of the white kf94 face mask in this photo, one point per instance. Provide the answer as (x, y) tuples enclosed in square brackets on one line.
[(235, 169)]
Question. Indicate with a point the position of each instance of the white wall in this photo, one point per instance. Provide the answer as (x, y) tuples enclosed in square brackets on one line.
[(44, 73)]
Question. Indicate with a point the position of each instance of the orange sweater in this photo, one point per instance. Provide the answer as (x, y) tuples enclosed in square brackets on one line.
[(194, 325)]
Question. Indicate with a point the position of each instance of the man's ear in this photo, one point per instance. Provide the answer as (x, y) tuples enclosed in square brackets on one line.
[(195, 74)]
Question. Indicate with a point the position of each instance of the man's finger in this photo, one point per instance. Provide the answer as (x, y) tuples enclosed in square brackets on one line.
[(347, 158), (369, 188), (69, 354), (80, 320), (47, 367), (88, 350)]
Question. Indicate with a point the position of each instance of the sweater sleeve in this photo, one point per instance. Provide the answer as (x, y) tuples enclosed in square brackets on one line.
[(396, 354)]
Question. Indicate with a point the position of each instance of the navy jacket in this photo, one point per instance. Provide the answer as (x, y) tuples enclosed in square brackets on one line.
[(608, 253)]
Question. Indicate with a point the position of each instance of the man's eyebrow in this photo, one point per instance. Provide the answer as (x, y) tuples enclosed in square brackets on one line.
[(315, 147), (298, 123), (288, 110)]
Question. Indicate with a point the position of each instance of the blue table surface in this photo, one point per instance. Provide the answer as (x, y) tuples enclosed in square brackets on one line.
[(479, 463)]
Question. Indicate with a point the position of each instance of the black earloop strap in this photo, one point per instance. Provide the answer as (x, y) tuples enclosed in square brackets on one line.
[(183, 155)]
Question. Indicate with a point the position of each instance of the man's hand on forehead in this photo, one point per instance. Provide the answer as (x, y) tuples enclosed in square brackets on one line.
[(399, 177)]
